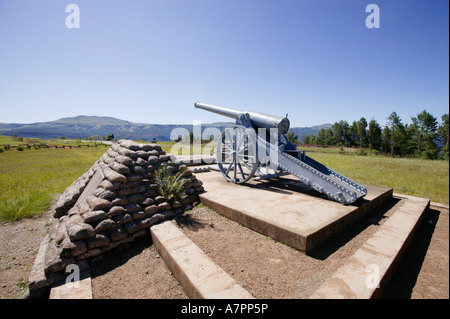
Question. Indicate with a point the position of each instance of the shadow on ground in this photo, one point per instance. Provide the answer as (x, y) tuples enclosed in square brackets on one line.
[(118, 256)]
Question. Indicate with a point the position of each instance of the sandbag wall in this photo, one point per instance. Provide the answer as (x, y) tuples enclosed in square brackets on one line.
[(113, 203)]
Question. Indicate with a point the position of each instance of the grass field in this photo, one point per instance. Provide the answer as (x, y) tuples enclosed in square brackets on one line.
[(29, 179), (409, 176), (56, 142)]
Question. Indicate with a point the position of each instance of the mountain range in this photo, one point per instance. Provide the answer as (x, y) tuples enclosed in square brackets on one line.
[(81, 127)]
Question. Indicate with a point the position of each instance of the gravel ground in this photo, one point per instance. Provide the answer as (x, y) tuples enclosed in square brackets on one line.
[(266, 268), (135, 273), (19, 245)]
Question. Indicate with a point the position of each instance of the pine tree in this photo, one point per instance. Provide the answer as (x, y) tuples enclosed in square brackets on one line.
[(396, 129), (386, 138), (426, 128), (374, 134), (443, 131), (362, 133), (341, 131)]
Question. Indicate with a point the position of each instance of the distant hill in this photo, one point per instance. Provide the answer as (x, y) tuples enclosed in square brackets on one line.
[(302, 131), (81, 127)]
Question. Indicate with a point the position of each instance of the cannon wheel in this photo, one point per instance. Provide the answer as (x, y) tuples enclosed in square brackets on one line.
[(237, 155)]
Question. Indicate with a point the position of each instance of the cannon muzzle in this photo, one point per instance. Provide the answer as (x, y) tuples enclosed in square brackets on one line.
[(258, 119)]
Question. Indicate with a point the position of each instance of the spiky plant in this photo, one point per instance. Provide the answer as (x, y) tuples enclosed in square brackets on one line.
[(171, 186)]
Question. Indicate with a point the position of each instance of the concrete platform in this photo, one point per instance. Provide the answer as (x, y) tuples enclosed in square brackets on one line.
[(366, 274), (81, 289), (285, 210), (200, 277)]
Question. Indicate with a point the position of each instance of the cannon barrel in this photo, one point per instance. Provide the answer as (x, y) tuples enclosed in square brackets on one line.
[(258, 119)]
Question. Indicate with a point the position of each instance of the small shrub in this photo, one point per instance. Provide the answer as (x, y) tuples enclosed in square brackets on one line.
[(430, 154), (361, 152), (171, 187), (19, 148)]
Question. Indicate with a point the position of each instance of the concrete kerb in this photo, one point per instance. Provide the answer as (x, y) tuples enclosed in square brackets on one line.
[(432, 204), (368, 271), (80, 289), (439, 205)]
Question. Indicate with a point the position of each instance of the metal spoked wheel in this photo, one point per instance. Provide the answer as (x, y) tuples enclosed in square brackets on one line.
[(237, 155)]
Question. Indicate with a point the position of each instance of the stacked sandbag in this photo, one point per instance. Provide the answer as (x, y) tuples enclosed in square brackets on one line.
[(113, 203)]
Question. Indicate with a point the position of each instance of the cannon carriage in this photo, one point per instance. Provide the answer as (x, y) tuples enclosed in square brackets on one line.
[(257, 147)]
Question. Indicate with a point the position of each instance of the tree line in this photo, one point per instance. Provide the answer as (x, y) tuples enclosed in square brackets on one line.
[(424, 137)]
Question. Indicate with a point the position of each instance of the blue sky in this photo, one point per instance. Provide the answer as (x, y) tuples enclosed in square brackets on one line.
[(150, 61)]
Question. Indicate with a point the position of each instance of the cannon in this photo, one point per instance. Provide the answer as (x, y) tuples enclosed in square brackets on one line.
[(257, 147)]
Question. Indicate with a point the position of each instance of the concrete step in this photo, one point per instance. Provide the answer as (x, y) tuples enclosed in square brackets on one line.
[(284, 211), (199, 276), (367, 272), (81, 288)]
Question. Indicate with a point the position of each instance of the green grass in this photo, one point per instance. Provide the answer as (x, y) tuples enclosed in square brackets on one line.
[(29, 179), (410, 176)]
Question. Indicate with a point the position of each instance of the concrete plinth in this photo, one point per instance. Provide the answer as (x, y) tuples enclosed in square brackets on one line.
[(285, 210)]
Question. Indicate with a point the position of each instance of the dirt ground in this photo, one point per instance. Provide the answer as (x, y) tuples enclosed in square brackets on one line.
[(136, 273), (19, 245), (266, 268)]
